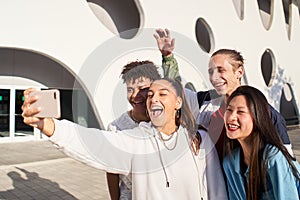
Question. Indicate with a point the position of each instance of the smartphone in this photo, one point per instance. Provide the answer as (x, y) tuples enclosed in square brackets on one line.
[(48, 101)]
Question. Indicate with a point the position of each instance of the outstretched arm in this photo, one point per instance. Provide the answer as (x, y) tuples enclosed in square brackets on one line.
[(79, 142)]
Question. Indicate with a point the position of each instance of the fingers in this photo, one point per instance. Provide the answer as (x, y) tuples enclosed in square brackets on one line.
[(173, 42), (27, 99), (168, 34), (28, 115), (156, 36), (27, 92), (29, 112), (163, 33), (32, 121), (160, 32)]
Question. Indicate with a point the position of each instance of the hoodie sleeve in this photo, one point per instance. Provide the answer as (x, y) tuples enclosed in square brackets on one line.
[(106, 150), (170, 67)]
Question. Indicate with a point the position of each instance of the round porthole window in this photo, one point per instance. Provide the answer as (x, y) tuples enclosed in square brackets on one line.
[(204, 35), (266, 8), (268, 67)]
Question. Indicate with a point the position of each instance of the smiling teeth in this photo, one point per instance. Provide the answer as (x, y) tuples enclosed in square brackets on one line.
[(219, 84), (139, 102), (232, 126)]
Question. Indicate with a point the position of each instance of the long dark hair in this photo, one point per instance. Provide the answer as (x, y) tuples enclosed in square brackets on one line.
[(184, 116), (263, 133)]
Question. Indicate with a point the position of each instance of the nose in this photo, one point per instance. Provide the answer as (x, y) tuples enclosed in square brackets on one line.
[(214, 75), (135, 93), (155, 98), (232, 116)]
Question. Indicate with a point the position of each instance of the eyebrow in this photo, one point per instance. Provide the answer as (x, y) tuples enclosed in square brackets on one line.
[(160, 90), (239, 107), (217, 67)]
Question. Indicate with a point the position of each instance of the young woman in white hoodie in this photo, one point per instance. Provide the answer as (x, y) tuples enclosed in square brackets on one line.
[(166, 157)]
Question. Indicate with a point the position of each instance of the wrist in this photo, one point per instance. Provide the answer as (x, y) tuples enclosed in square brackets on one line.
[(168, 57), (48, 127)]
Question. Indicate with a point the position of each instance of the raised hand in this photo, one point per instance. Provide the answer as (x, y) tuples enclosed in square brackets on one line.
[(165, 43)]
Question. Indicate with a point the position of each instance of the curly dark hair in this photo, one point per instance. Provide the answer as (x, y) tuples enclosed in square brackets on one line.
[(137, 69)]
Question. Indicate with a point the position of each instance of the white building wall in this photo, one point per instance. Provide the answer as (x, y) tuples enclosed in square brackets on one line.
[(69, 32)]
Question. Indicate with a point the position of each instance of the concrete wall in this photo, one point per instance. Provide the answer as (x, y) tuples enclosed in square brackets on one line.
[(86, 38)]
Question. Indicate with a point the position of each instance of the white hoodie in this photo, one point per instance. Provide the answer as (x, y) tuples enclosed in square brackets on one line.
[(151, 161)]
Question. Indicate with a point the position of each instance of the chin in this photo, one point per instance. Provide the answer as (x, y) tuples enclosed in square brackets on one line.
[(140, 109), (156, 122), (221, 92)]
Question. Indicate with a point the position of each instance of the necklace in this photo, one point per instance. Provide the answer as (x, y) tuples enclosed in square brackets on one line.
[(165, 140), (133, 118)]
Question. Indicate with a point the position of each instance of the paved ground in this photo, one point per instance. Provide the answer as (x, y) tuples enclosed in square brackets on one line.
[(36, 170)]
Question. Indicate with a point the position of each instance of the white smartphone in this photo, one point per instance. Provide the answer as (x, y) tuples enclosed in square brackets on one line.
[(48, 101)]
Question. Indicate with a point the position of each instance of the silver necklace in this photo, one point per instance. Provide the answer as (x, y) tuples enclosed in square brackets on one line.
[(165, 140)]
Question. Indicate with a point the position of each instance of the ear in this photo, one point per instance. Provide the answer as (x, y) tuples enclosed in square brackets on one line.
[(240, 72), (178, 103)]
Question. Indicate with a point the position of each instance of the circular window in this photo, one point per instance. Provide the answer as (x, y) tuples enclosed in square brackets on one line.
[(120, 17), (239, 8), (268, 67), (266, 12), (204, 35), (287, 92)]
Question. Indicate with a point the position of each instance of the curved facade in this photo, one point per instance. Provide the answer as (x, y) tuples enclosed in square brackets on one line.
[(80, 46)]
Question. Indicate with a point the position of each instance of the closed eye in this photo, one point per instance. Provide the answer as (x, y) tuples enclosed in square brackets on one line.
[(241, 111), (228, 109)]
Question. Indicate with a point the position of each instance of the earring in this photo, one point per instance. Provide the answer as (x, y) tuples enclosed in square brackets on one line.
[(178, 113)]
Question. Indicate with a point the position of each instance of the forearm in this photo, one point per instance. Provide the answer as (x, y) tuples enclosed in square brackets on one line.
[(170, 67), (97, 148), (48, 127), (113, 185)]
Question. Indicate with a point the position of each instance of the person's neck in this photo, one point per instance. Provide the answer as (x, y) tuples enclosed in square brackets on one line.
[(227, 95), (168, 130), (138, 117), (246, 147)]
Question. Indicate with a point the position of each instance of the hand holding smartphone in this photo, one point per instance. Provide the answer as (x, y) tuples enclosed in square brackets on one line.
[(48, 101)]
